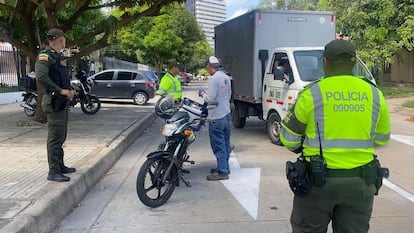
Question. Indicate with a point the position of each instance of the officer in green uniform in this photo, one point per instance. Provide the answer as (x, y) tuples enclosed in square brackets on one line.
[(348, 117), (170, 85), (53, 76)]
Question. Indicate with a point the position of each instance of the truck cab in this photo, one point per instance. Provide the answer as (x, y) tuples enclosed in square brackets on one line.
[(288, 71)]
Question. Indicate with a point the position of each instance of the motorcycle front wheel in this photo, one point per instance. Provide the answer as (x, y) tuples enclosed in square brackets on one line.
[(92, 106), (150, 189), (31, 101)]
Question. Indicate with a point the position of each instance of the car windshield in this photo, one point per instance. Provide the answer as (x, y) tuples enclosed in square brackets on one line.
[(310, 66)]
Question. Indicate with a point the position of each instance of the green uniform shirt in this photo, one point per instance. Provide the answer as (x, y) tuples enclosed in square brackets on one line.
[(43, 62), (352, 117), (171, 86)]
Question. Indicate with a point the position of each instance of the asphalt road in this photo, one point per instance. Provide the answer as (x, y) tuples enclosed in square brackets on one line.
[(256, 198)]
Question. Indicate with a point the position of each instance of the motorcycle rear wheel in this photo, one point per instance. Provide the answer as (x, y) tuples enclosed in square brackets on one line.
[(31, 101), (92, 106), (150, 189)]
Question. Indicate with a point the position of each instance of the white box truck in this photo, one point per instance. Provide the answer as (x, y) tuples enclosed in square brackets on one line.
[(250, 47)]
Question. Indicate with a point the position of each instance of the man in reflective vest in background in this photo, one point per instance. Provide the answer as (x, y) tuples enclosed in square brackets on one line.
[(170, 85), (336, 123)]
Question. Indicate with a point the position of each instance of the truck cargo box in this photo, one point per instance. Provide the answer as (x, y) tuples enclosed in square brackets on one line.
[(243, 43)]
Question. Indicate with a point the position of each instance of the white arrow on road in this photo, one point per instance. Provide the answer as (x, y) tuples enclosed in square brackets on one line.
[(244, 184)]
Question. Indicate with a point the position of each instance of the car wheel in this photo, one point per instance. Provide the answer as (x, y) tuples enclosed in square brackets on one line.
[(140, 98)]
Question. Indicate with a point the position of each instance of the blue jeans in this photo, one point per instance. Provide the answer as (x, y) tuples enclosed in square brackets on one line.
[(219, 132)]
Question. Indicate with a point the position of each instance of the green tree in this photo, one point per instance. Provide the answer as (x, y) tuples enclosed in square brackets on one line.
[(288, 4), (161, 44), (202, 51), (379, 29), (173, 36), (186, 27)]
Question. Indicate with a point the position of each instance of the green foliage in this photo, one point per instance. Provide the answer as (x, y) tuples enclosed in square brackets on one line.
[(158, 41), (393, 92), (379, 29), (202, 72), (292, 4), (161, 43), (408, 104)]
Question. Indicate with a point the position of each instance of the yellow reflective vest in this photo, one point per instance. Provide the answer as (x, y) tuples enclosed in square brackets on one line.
[(352, 117), (170, 86)]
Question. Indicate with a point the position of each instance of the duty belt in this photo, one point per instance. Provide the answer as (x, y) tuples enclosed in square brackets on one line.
[(354, 172)]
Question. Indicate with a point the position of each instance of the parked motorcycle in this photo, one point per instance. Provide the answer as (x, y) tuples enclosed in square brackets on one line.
[(28, 83), (90, 104), (163, 169)]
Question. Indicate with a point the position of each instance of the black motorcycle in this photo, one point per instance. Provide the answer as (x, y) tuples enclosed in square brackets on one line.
[(90, 104), (29, 96), (163, 169)]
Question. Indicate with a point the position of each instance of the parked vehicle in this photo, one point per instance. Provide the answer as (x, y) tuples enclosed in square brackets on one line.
[(258, 89), (154, 77), (163, 169), (123, 84), (30, 95), (90, 104)]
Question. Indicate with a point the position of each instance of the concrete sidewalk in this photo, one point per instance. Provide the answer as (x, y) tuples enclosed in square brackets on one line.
[(30, 203)]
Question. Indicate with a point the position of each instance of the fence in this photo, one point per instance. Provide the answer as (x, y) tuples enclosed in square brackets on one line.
[(111, 63), (9, 69)]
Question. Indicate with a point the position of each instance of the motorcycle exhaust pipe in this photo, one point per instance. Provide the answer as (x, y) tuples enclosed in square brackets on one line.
[(24, 105)]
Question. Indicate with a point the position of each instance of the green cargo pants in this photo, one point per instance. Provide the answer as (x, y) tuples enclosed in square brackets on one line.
[(57, 124), (347, 201)]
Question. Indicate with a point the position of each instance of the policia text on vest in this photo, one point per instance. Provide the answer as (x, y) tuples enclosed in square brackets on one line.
[(352, 101)]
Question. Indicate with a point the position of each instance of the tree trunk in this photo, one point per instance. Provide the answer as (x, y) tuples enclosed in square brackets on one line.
[(40, 115)]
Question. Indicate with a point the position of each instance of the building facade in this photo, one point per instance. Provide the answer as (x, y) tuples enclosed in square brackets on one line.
[(208, 13)]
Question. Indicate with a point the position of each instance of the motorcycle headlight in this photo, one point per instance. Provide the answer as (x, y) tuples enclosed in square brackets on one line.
[(169, 129)]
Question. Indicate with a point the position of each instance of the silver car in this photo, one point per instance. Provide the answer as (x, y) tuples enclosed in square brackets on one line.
[(123, 84)]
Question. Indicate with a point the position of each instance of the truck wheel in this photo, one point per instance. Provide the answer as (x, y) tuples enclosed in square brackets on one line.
[(273, 128), (238, 122)]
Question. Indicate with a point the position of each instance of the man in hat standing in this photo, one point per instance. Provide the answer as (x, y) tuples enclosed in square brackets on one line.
[(336, 123), (53, 76), (218, 93)]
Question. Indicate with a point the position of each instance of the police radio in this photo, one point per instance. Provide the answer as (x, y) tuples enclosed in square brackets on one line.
[(318, 165)]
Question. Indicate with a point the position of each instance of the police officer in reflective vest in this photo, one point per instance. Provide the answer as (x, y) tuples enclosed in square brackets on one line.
[(336, 123), (53, 76), (170, 85)]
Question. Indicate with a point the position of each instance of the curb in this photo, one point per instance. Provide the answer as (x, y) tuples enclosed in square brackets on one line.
[(46, 213)]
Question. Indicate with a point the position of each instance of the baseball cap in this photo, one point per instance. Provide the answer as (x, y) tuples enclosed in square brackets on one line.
[(342, 50), (55, 33), (175, 64), (213, 61)]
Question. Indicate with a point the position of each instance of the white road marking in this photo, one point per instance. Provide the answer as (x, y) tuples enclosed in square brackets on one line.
[(244, 185), (410, 141), (399, 190), (404, 139)]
